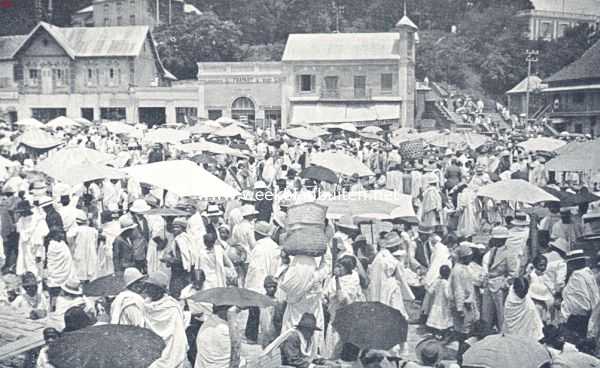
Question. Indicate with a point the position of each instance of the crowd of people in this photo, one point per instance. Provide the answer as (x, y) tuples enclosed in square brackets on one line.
[(438, 270)]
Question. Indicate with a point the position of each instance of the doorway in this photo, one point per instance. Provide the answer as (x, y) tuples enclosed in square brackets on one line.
[(243, 109), (152, 115)]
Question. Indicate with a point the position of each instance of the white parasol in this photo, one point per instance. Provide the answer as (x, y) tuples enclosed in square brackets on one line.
[(184, 178), (166, 135), (516, 190), (30, 122), (545, 144), (341, 163)]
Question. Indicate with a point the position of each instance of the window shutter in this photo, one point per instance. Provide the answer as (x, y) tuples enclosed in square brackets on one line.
[(313, 83), (17, 72), (298, 83)]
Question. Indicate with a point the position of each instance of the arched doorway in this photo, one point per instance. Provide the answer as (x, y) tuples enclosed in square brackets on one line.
[(242, 109)]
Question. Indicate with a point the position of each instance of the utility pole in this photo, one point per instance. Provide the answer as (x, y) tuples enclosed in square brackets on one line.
[(532, 57)]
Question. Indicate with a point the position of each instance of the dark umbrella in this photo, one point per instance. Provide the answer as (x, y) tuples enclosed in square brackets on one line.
[(105, 286), (319, 173), (569, 199), (370, 325), (233, 296), (240, 146), (106, 346), (499, 351), (167, 212), (204, 159)]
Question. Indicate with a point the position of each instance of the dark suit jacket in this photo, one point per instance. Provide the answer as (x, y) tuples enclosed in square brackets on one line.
[(291, 352)]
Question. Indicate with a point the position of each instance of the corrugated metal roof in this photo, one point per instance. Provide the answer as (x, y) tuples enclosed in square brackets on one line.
[(588, 7), (106, 41), (586, 67), (534, 83), (342, 46), (9, 44)]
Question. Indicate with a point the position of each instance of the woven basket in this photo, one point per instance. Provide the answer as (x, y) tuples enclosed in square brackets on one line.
[(308, 240), (412, 149), (306, 214)]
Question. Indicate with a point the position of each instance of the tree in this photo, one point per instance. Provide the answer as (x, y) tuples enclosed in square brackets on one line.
[(442, 56), (196, 39)]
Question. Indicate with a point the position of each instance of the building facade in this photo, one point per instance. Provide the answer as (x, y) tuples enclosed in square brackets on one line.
[(361, 78), (94, 73), (549, 19), (574, 93), (107, 13)]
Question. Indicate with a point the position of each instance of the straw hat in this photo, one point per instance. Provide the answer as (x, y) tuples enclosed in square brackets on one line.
[(131, 275), (260, 185), (213, 210), (180, 221), (72, 287), (500, 232), (263, 228), (45, 201), (81, 216), (560, 244), (158, 279), (126, 223), (521, 219), (540, 292), (139, 206), (463, 250), (390, 240), (425, 229), (248, 210)]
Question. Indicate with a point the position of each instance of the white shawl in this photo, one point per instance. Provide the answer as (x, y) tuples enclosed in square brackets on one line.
[(165, 318)]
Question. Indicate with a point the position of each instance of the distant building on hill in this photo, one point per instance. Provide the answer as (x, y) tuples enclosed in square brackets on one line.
[(549, 19), (108, 13)]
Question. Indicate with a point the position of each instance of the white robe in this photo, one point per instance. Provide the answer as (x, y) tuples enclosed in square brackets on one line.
[(213, 344), (211, 262), (263, 261), (85, 253), (440, 256), (383, 285), (580, 295), (521, 317), (60, 264), (302, 287), (157, 226), (127, 309), (32, 230), (165, 317)]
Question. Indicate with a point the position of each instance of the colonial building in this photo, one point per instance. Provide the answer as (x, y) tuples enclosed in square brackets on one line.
[(549, 19), (106, 13), (517, 96), (362, 78), (95, 73), (574, 93)]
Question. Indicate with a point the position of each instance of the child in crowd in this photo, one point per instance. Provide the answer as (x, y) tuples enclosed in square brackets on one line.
[(50, 334), (440, 318), (271, 317)]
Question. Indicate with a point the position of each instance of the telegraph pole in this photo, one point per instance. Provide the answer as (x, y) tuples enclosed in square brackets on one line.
[(532, 57), (339, 10)]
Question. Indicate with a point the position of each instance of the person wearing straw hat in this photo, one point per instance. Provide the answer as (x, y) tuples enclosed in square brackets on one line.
[(556, 270), (31, 301), (384, 273), (297, 347), (32, 231), (164, 315), (213, 215), (431, 206), (263, 261), (84, 248), (243, 233), (128, 306), (500, 269), (567, 228), (124, 245), (581, 293), (518, 237)]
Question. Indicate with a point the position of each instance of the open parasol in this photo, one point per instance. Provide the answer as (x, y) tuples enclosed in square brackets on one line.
[(30, 123), (233, 296), (114, 346), (219, 149), (460, 139), (62, 122), (167, 212), (166, 135), (201, 129), (372, 130), (347, 127), (118, 127), (85, 172), (108, 285), (371, 205), (544, 144), (225, 121), (319, 173), (232, 130), (184, 178), (38, 139), (584, 156), (305, 133), (500, 351), (370, 325), (516, 190), (341, 163), (572, 199)]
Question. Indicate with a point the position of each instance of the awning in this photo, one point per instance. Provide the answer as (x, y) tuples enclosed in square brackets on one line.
[(343, 113), (571, 88)]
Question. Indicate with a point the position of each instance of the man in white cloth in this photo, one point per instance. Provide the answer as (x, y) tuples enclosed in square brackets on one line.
[(243, 233), (214, 339), (60, 265), (580, 295), (385, 282), (157, 244), (128, 306), (213, 262), (517, 238), (521, 317), (84, 248), (165, 317), (32, 229), (302, 285)]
